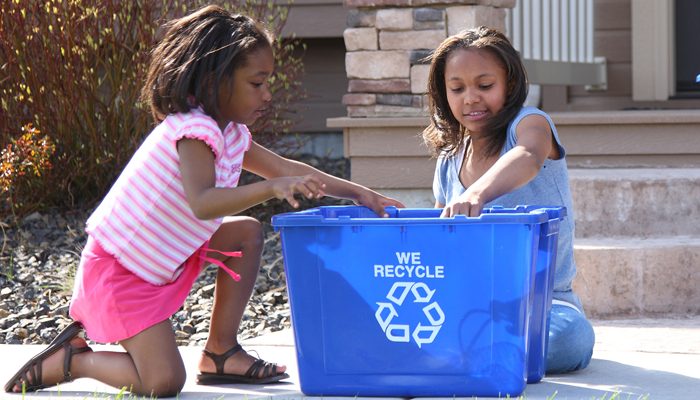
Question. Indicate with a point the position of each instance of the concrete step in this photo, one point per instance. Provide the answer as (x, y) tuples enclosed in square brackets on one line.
[(636, 202), (624, 277)]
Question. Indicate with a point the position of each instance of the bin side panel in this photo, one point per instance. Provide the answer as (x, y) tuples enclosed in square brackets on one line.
[(410, 310)]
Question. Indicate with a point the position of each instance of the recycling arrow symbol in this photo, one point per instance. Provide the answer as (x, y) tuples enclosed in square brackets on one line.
[(421, 333)]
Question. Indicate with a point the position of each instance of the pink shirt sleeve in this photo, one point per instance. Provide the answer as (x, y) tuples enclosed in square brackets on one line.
[(205, 129)]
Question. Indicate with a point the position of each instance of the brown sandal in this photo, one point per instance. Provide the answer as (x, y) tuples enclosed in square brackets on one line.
[(34, 382), (268, 369)]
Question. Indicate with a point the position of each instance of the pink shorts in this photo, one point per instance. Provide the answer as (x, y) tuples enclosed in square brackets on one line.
[(113, 304)]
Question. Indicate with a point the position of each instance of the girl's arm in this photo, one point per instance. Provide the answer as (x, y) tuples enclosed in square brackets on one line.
[(269, 165), (513, 170), (208, 202)]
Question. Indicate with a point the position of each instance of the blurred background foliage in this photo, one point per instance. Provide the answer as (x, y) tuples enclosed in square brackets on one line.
[(71, 72)]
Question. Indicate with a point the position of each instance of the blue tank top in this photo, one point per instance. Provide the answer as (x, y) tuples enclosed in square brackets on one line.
[(550, 187)]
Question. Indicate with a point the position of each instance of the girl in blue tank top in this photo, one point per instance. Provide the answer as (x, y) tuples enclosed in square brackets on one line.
[(493, 151)]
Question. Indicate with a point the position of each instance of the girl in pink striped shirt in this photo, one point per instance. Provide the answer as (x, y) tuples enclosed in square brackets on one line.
[(168, 213)]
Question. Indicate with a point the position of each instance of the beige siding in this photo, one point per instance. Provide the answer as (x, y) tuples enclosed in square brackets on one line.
[(315, 19), (387, 153), (612, 15), (389, 141), (325, 84), (393, 173), (614, 45), (320, 25), (630, 138), (390, 157)]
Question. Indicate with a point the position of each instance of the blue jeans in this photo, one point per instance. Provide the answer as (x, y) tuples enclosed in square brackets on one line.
[(571, 340)]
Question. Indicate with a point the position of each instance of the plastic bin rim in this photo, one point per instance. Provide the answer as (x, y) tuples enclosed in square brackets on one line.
[(312, 217)]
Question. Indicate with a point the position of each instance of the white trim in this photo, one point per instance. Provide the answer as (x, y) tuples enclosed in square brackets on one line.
[(653, 69)]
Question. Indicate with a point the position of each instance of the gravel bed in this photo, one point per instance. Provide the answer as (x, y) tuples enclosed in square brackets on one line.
[(39, 256)]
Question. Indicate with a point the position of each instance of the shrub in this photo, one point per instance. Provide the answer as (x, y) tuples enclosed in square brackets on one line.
[(75, 69), (24, 163)]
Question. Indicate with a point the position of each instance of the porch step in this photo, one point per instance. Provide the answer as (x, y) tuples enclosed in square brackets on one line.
[(621, 277), (637, 242), (636, 202)]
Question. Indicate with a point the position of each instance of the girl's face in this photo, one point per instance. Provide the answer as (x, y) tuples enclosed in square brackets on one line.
[(476, 87), (244, 97)]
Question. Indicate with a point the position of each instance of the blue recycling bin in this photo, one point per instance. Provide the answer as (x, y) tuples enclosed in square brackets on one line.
[(411, 305), (541, 298)]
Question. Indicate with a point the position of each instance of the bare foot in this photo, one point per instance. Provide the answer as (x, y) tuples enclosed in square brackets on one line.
[(237, 364), (52, 367)]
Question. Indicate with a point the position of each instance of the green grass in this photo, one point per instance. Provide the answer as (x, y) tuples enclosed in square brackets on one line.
[(123, 394)]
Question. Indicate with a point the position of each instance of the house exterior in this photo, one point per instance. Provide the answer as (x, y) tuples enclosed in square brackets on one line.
[(630, 123), (641, 67)]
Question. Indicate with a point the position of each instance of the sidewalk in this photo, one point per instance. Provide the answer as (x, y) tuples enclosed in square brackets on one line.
[(652, 359)]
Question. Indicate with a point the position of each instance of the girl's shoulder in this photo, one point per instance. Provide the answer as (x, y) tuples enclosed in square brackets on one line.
[(194, 117), (526, 111), (447, 160), (512, 137), (193, 124)]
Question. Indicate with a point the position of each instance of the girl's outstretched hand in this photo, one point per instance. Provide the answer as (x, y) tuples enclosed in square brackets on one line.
[(309, 186), (377, 202)]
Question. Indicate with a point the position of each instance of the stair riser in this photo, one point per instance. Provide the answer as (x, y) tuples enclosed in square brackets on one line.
[(642, 279), (610, 207)]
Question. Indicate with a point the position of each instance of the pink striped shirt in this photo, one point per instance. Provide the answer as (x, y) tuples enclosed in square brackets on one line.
[(145, 220)]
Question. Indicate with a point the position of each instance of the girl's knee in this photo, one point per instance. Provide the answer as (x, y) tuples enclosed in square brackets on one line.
[(167, 384), (255, 232), (245, 230), (250, 231), (571, 340), (570, 326)]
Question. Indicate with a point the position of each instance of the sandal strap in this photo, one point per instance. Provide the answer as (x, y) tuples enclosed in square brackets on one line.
[(268, 369), (220, 359), (70, 351), (31, 380)]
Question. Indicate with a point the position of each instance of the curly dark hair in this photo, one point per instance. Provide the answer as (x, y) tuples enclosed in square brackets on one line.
[(198, 53), (445, 133)]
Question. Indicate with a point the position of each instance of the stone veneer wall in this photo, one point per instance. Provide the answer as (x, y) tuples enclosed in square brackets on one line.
[(387, 42)]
